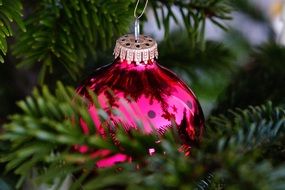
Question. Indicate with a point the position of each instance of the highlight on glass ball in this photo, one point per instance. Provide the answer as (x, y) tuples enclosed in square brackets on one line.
[(143, 92)]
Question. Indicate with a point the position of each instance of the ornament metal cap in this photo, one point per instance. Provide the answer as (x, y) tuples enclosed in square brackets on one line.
[(139, 51)]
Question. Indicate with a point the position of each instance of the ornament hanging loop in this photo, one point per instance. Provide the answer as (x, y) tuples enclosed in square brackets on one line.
[(136, 8), (137, 17)]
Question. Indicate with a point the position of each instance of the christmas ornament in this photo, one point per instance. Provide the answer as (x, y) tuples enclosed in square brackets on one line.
[(144, 93)]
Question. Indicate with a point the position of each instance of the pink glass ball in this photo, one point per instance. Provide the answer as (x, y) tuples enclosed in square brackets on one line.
[(147, 95)]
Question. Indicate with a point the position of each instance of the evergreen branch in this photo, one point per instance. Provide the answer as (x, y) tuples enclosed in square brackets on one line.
[(238, 164), (254, 126), (43, 138), (10, 11), (35, 135), (66, 32), (194, 14)]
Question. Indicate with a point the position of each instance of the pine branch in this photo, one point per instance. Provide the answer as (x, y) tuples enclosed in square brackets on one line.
[(37, 132), (10, 12), (233, 160), (254, 128), (194, 15), (42, 140), (43, 137), (66, 32)]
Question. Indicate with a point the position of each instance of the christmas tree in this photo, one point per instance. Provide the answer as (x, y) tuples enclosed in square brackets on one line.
[(49, 46)]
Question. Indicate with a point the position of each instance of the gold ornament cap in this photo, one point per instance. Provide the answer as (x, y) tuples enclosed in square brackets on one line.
[(139, 50)]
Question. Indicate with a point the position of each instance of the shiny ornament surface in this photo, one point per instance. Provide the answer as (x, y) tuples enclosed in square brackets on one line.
[(142, 93)]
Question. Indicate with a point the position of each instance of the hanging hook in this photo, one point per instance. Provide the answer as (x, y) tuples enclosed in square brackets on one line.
[(135, 11), (137, 22)]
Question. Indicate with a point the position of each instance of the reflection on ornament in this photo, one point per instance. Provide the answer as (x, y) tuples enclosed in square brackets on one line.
[(143, 92)]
